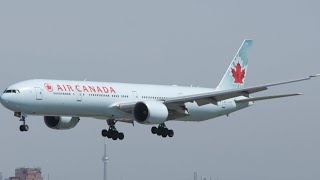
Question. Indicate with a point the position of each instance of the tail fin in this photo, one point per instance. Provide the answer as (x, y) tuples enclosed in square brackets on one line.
[(236, 73)]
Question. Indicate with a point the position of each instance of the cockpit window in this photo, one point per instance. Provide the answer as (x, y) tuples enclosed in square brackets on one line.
[(11, 91)]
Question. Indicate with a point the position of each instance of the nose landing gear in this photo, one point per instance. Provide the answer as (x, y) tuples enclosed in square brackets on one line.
[(112, 132), (162, 130), (24, 126)]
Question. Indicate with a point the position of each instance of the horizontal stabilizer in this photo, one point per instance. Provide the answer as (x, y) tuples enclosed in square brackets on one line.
[(266, 97)]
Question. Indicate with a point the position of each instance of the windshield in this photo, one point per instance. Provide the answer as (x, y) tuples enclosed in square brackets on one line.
[(11, 91)]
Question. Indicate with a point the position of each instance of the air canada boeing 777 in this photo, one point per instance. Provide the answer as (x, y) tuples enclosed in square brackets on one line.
[(63, 102)]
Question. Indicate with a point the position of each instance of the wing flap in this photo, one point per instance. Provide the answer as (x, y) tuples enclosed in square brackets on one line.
[(266, 97)]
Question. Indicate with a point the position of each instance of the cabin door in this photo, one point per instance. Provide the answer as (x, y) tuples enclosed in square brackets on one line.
[(79, 93), (135, 95), (38, 93)]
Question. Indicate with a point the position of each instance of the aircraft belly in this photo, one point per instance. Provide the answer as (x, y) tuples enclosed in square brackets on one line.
[(66, 108)]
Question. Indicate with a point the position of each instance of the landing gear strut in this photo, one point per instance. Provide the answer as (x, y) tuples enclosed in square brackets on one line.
[(24, 126), (162, 130), (112, 132)]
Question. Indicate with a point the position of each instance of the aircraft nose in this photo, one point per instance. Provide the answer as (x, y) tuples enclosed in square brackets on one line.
[(2, 99)]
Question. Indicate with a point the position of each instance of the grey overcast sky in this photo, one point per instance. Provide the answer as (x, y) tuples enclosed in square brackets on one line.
[(169, 42)]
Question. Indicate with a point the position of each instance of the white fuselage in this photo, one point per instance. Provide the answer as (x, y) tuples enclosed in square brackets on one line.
[(97, 99)]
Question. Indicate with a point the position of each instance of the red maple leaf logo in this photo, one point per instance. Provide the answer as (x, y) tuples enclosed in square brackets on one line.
[(238, 74), (48, 87)]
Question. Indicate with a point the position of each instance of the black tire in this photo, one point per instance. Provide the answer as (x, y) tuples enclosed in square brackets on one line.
[(26, 128), (154, 130), (21, 128), (121, 136), (170, 133), (109, 134), (165, 132), (104, 133), (115, 135), (159, 132)]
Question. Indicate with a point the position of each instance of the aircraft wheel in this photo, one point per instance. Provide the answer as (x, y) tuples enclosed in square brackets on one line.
[(154, 130), (170, 133), (121, 136), (165, 132), (26, 127), (109, 134), (21, 128), (164, 135), (159, 132), (115, 135), (104, 133)]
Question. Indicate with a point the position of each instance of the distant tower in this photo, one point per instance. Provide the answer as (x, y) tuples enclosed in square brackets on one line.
[(0, 176), (195, 176), (105, 160)]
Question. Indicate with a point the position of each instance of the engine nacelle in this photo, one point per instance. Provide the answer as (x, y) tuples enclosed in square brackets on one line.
[(61, 122), (150, 112)]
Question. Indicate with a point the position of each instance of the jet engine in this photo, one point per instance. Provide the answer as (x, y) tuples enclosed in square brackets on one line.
[(150, 112), (61, 122)]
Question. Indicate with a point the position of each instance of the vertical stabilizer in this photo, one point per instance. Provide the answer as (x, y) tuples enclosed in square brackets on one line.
[(235, 76)]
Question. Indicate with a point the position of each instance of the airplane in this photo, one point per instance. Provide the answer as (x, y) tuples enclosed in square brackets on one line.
[(62, 102)]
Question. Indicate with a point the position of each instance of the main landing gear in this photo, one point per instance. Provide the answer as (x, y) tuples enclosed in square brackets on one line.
[(24, 126), (112, 132), (162, 130)]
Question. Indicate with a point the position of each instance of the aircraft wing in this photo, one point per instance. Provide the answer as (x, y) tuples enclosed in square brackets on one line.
[(212, 97)]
